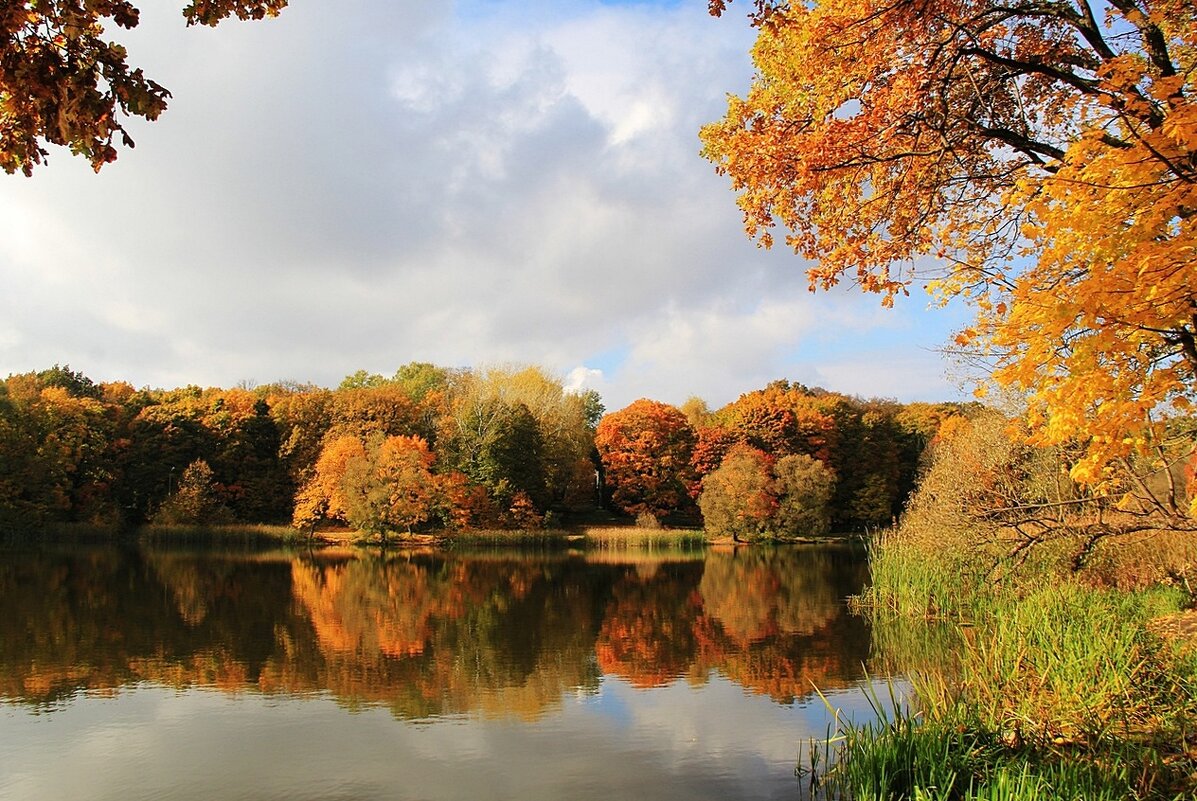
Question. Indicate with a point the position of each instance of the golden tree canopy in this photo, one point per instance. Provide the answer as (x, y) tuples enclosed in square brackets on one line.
[(1037, 159)]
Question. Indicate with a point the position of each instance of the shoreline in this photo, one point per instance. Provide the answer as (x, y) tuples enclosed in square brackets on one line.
[(581, 535)]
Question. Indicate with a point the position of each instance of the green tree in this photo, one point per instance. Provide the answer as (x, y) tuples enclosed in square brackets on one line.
[(258, 485), (196, 502), (499, 446), (26, 485), (419, 379), (74, 382), (804, 488), (483, 414), (163, 439), (739, 498), (361, 380)]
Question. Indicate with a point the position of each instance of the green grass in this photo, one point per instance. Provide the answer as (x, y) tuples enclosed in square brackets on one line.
[(900, 755), (905, 582), (1034, 686)]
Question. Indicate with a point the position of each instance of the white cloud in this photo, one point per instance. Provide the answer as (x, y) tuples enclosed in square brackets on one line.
[(582, 378), (378, 182)]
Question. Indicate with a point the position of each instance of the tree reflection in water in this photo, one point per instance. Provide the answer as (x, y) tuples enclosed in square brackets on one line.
[(427, 634)]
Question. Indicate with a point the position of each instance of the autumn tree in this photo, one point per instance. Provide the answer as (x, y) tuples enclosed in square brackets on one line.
[(64, 82), (739, 499), (712, 443), (390, 487), (645, 451), (752, 496), (1038, 161), (780, 419), (303, 416), (804, 488), (384, 409), (196, 501), (322, 496)]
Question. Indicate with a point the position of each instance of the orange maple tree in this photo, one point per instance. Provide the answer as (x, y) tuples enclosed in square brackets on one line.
[(645, 450), (322, 496), (1038, 160), (392, 486)]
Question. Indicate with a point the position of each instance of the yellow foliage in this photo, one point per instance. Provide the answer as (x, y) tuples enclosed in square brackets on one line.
[(1039, 164)]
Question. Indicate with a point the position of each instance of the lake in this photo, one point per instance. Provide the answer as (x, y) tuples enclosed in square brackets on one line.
[(185, 674)]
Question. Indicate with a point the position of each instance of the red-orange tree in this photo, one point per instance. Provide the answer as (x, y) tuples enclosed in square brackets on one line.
[(1042, 159), (645, 451), (64, 82), (780, 419)]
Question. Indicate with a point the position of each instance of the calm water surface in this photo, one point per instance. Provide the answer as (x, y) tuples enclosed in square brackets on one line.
[(159, 674)]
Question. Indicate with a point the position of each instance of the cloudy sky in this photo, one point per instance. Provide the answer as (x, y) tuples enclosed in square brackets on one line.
[(365, 183)]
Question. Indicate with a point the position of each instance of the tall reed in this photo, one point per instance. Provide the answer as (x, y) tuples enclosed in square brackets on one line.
[(1046, 684), (901, 756)]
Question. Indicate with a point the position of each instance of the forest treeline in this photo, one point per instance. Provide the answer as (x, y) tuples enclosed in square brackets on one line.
[(505, 447)]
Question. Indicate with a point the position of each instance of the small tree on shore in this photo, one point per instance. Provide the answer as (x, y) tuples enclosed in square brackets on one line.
[(739, 498), (392, 486), (804, 488), (196, 502)]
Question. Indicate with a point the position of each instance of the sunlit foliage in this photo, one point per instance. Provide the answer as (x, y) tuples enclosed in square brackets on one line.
[(645, 451), (738, 498), (1036, 160), (391, 487)]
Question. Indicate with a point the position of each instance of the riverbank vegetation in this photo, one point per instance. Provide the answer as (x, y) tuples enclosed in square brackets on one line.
[(432, 450), (1038, 657)]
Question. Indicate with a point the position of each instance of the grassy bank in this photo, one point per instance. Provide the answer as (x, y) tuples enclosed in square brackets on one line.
[(1030, 683), (584, 536), (606, 534), (241, 535)]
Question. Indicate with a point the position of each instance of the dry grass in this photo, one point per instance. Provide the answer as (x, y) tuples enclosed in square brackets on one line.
[(640, 537)]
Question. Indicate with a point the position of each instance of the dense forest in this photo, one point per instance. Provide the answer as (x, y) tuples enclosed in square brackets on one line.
[(432, 447)]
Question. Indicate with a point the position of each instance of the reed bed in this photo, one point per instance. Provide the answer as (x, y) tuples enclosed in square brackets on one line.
[(1035, 686), (623, 537), (531, 537), (241, 534), (901, 756)]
